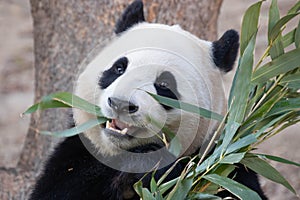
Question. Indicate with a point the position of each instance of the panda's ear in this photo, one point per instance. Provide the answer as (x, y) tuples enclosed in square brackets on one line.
[(132, 15), (225, 50)]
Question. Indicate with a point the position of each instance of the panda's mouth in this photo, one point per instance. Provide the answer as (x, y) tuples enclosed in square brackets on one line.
[(117, 126)]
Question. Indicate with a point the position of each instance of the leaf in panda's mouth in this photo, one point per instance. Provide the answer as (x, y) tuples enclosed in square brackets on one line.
[(117, 126)]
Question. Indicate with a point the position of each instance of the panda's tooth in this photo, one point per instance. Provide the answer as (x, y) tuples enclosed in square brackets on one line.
[(107, 124), (124, 131)]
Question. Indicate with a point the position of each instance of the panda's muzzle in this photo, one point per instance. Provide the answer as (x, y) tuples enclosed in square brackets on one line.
[(121, 106)]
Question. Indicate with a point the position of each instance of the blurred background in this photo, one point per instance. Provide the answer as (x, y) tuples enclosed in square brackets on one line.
[(17, 86)]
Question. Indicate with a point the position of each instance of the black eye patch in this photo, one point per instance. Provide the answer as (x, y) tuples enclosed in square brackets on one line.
[(166, 86), (110, 75)]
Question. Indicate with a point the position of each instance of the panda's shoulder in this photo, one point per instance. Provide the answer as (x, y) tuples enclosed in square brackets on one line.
[(69, 171)]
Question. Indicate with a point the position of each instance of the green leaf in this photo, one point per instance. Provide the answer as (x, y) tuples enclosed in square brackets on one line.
[(181, 189), (168, 185), (249, 25), (280, 65), (291, 80), (230, 130), (297, 36), (266, 126), (277, 28), (232, 186), (153, 185), (285, 105), (278, 159), (277, 48), (288, 38), (266, 106), (295, 8), (203, 196), (77, 129), (240, 91), (175, 145), (233, 158), (144, 193), (164, 176), (241, 143), (224, 170), (64, 99), (46, 103), (187, 107), (265, 169), (274, 15)]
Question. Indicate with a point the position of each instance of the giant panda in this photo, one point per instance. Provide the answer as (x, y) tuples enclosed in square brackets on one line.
[(104, 162)]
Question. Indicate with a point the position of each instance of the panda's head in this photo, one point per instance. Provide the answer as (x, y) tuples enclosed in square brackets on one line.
[(159, 59)]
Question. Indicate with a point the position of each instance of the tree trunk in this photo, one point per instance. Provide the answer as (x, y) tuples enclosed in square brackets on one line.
[(65, 31)]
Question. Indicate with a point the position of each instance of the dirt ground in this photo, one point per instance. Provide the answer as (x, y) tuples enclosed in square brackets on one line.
[(17, 86)]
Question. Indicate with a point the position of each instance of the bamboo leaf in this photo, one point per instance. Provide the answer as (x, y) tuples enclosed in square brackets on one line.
[(233, 158), (144, 193), (274, 15), (295, 8), (285, 105), (168, 185), (181, 189), (153, 185), (77, 129), (203, 196), (277, 28), (232, 186), (249, 25), (280, 65), (224, 170), (46, 103), (187, 107), (265, 169), (242, 86), (291, 81), (241, 143), (66, 100), (288, 38), (138, 187), (230, 130), (266, 106), (175, 145), (277, 48), (278, 159), (297, 36), (265, 126)]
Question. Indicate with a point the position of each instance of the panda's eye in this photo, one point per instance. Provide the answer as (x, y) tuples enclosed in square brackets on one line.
[(119, 69), (163, 85)]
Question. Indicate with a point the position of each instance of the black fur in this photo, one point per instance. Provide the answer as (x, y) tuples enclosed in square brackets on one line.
[(72, 173), (225, 50), (110, 75), (165, 85), (132, 15)]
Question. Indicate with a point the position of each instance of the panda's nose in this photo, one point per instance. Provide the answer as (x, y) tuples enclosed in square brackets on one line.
[(121, 106)]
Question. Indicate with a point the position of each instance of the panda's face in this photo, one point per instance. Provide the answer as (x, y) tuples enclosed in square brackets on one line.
[(159, 59), (135, 117)]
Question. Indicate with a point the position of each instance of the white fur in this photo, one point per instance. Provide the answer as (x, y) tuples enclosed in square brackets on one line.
[(152, 49)]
